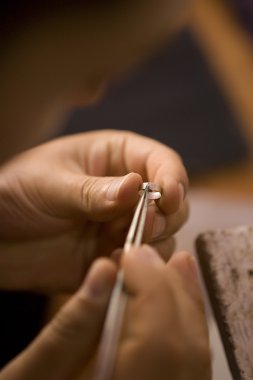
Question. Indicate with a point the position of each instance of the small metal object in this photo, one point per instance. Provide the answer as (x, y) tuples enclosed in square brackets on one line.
[(115, 314), (154, 190)]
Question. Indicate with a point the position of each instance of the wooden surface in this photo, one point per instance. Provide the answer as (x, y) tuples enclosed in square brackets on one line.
[(229, 51), (226, 259)]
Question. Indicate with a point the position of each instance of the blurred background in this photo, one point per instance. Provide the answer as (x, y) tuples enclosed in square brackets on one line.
[(173, 98), (195, 96)]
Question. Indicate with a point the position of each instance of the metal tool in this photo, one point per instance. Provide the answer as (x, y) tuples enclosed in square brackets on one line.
[(114, 318)]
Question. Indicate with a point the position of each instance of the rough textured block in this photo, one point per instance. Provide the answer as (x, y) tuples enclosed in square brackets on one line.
[(226, 261)]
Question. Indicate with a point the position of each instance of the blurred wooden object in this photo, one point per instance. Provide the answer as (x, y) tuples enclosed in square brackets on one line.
[(235, 181), (229, 50), (226, 260)]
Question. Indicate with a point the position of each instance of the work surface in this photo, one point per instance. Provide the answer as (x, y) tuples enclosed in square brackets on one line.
[(212, 208)]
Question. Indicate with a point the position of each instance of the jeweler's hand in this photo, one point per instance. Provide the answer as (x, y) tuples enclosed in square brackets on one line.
[(68, 201), (69, 341), (164, 333)]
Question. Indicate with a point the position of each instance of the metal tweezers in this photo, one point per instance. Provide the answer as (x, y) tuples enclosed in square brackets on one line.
[(114, 318)]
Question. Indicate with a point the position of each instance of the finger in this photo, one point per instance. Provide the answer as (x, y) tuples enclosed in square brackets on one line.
[(183, 276), (165, 247), (140, 264), (157, 163), (99, 198), (164, 327), (159, 226), (70, 340), (126, 152), (185, 266)]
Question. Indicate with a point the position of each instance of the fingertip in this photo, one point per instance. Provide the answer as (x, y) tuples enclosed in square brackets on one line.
[(128, 192), (141, 266), (99, 280), (143, 256), (173, 195), (185, 263)]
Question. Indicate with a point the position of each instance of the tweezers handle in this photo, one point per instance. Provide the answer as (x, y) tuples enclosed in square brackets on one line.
[(135, 233), (111, 331)]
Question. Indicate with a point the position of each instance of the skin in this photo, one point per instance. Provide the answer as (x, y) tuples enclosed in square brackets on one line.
[(57, 213), (157, 329), (69, 201), (149, 348)]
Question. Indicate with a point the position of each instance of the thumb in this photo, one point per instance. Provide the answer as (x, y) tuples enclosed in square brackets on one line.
[(67, 344), (101, 197)]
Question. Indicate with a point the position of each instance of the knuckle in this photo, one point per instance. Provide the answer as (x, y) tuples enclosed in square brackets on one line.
[(87, 193)]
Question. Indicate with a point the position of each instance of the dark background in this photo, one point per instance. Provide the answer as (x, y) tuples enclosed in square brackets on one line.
[(175, 99)]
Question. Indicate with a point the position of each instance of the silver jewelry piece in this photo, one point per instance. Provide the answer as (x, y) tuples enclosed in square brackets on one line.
[(154, 190)]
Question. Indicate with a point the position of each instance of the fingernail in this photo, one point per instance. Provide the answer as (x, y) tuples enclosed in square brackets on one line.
[(113, 188), (97, 284), (158, 225), (185, 263), (181, 192), (147, 254)]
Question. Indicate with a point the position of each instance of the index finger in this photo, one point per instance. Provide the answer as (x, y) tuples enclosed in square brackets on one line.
[(117, 153), (156, 162)]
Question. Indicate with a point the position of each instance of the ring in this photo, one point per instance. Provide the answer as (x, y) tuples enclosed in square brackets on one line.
[(154, 190)]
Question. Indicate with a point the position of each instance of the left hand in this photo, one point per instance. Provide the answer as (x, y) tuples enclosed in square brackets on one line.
[(66, 201)]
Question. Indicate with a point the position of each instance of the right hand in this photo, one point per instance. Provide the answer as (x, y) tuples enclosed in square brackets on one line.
[(164, 335)]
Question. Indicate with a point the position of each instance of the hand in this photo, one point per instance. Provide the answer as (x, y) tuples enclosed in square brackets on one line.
[(164, 335), (67, 201), (69, 341)]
